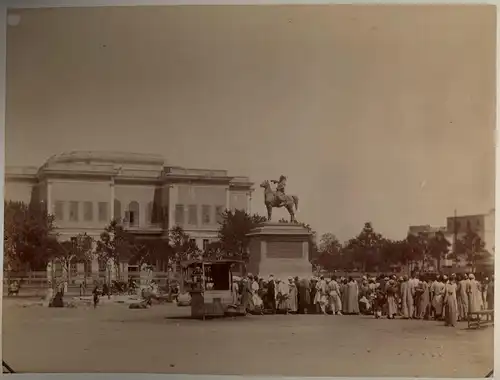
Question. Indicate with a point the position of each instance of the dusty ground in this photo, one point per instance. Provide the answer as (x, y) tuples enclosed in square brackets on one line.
[(113, 338)]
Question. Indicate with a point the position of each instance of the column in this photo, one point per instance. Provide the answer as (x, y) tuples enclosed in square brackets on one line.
[(49, 197), (112, 204), (94, 264), (172, 201), (228, 198)]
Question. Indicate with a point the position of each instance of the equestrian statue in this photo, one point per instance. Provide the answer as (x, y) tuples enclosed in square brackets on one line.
[(278, 198)]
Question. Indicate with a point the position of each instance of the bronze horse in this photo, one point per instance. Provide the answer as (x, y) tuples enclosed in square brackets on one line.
[(271, 201)]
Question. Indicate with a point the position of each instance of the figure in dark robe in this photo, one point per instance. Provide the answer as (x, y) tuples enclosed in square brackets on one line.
[(271, 294)]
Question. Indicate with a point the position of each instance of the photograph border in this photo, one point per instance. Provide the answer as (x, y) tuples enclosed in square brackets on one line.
[(18, 4)]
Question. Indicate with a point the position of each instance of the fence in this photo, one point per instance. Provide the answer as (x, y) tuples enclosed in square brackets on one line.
[(33, 282)]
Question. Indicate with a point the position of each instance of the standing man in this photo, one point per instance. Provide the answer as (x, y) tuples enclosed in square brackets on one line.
[(490, 294), (334, 295)]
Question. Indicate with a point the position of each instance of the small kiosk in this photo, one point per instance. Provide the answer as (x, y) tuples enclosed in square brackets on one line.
[(210, 285)]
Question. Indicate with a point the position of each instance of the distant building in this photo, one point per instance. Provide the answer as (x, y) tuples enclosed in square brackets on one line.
[(85, 190), (482, 224)]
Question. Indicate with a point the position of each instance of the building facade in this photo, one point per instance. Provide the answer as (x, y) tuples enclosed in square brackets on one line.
[(86, 190), (482, 224)]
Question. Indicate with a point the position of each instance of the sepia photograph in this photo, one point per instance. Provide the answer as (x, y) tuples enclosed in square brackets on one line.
[(285, 190)]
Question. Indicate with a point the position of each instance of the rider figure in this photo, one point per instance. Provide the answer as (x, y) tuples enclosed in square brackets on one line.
[(280, 189)]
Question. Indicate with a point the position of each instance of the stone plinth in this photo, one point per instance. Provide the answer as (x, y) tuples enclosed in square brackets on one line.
[(280, 249)]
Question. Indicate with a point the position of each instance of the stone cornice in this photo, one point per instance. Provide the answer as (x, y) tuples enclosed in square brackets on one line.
[(187, 179), (280, 229), (106, 157)]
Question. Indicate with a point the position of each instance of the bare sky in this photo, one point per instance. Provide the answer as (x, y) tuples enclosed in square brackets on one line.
[(375, 113)]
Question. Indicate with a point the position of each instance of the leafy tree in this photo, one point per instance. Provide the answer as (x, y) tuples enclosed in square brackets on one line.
[(183, 248), (472, 246), (76, 250), (330, 252), (233, 230), (365, 247), (438, 247), (152, 252), (214, 251), (29, 235), (329, 244), (116, 245), (414, 250)]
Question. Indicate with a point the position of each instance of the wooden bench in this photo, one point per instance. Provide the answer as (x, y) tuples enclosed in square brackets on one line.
[(475, 319)]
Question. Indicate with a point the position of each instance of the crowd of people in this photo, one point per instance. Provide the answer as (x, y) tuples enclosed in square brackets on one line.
[(423, 296)]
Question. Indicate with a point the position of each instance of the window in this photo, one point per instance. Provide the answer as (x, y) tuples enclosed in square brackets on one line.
[(133, 213), (117, 210), (206, 242), (205, 214), (193, 215), (103, 211), (192, 241), (88, 212), (59, 210), (73, 269), (179, 214), (103, 266), (87, 268), (73, 211), (219, 210)]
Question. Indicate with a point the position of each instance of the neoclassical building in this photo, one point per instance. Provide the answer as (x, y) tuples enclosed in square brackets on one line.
[(84, 190)]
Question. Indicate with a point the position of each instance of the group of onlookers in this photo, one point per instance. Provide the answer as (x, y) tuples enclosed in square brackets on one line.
[(421, 296)]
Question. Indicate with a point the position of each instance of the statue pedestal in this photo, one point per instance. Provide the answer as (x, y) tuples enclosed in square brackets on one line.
[(280, 249)]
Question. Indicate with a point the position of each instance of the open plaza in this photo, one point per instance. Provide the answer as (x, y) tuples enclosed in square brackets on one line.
[(162, 339)]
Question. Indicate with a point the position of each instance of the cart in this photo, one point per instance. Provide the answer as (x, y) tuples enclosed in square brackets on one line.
[(210, 285)]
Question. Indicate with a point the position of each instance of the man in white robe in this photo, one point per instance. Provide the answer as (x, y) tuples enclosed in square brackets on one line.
[(321, 294), (334, 296)]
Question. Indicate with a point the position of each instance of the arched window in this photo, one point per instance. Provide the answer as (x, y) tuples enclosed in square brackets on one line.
[(133, 213), (117, 210), (149, 213)]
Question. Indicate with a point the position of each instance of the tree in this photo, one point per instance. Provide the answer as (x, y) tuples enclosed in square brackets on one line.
[(330, 252), (437, 248), (29, 235), (116, 245), (366, 247), (151, 252), (76, 250), (233, 230), (472, 246), (415, 249), (183, 248), (214, 251)]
